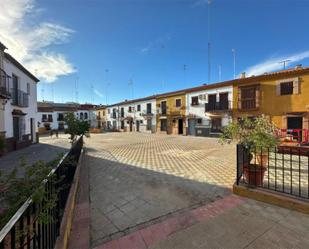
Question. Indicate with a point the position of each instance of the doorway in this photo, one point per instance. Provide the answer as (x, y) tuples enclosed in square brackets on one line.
[(137, 125), (163, 126), (16, 128), (180, 126), (32, 129), (131, 123), (295, 123), (191, 129)]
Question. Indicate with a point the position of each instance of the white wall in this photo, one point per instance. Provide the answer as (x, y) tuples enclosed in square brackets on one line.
[(31, 111), (199, 110)]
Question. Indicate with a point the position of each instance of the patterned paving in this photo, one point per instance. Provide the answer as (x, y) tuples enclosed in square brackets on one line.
[(141, 179)]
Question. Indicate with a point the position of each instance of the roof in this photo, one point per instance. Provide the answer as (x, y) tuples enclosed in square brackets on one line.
[(132, 101), (20, 66), (2, 47), (69, 107)]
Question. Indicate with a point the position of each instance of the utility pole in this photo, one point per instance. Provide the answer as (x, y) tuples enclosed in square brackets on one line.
[(209, 64), (234, 62), (284, 62)]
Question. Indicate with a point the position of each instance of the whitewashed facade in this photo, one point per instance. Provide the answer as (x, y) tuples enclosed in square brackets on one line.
[(209, 110), (19, 108)]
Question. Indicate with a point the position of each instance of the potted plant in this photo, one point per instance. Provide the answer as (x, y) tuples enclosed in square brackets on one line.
[(257, 137)]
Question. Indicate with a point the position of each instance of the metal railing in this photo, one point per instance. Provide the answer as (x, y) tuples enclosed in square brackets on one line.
[(19, 98), (281, 170), (4, 84), (218, 106), (24, 230)]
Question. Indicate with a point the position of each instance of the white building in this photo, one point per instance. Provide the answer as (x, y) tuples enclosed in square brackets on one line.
[(132, 115), (208, 109), (51, 115), (18, 102)]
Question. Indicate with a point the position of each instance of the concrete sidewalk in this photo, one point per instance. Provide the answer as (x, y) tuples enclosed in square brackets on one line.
[(232, 222)]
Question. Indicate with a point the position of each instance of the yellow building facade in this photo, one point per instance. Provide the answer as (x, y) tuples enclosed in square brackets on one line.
[(171, 113), (283, 96), (101, 116)]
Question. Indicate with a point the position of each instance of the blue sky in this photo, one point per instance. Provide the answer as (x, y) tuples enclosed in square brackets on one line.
[(148, 42)]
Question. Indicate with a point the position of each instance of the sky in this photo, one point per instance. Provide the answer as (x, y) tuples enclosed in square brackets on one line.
[(105, 51)]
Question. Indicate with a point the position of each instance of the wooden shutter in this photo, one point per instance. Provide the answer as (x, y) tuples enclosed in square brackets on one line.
[(296, 86), (239, 98), (257, 96)]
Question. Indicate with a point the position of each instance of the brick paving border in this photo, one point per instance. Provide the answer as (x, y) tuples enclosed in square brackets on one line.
[(155, 233)]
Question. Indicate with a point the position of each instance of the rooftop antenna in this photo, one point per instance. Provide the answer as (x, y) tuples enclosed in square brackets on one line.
[(163, 74), (92, 93), (76, 89), (219, 69), (107, 84), (234, 62), (52, 91), (209, 47), (184, 74), (131, 86), (284, 62)]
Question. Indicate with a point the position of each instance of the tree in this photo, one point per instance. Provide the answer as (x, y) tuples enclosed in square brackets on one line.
[(76, 127)]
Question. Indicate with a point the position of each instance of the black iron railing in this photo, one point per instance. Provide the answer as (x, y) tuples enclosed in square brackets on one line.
[(218, 106), (4, 85), (24, 230), (19, 98), (283, 170)]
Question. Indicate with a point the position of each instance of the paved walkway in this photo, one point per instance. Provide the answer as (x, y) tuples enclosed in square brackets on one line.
[(47, 150), (139, 179), (156, 191)]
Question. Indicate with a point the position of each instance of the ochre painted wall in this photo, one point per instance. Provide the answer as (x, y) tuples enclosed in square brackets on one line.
[(274, 106), (173, 112)]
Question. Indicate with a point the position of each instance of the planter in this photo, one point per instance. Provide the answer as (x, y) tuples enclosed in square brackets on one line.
[(262, 159), (254, 174)]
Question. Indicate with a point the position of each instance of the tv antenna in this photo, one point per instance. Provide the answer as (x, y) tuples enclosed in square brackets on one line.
[(209, 64), (234, 62), (284, 62), (131, 86)]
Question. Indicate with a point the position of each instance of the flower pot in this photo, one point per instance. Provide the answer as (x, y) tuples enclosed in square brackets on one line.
[(254, 174), (262, 159)]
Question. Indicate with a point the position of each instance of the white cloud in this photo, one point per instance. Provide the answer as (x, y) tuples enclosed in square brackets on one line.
[(273, 63), (29, 42), (98, 93)]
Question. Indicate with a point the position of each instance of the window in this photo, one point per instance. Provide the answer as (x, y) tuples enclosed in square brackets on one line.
[(60, 117), (194, 100), (86, 115), (138, 108), (148, 108), (130, 109), (216, 125), (199, 120), (81, 116), (108, 111), (248, 98), (178, 102), (286, 88), (44, 117), (50, 118), (28, 88), (122, 112)]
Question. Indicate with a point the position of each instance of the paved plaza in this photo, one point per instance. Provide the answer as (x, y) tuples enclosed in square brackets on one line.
[(139, 179), (170, 192)]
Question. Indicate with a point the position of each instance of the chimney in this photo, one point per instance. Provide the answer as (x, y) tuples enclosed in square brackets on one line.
[(299, 66), (243, 75)]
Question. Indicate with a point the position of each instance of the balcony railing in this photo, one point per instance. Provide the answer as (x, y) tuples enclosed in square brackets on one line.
[(19, 98), (113, 115), (248, 104), (146, 113), (218, 106), (47, 120), (4, 85)]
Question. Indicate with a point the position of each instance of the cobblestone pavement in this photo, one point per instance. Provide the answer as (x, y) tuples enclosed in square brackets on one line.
[(47, 150), (140, 179)]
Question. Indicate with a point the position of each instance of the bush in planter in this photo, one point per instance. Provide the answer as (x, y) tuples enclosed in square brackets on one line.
[(257, 136)]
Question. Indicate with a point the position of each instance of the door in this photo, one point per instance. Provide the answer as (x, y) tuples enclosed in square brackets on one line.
[(180, 126), (212, 101), (32, 129), (192, 127), (163, 125), (137, 125), (16, 128), (295, 123), (131, 125)]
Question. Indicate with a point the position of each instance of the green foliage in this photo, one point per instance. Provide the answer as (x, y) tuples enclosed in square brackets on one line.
[(76, 127), (23, 182), (258, 134)]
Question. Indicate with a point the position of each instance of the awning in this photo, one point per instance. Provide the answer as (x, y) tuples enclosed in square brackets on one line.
[(17, 112)]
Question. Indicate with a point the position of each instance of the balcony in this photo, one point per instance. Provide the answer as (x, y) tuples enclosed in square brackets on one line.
[(4, 85), (50, 120), (248, 104), (218, 106), (19, 98), (162, 111), (146, 113), (113, 115)]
